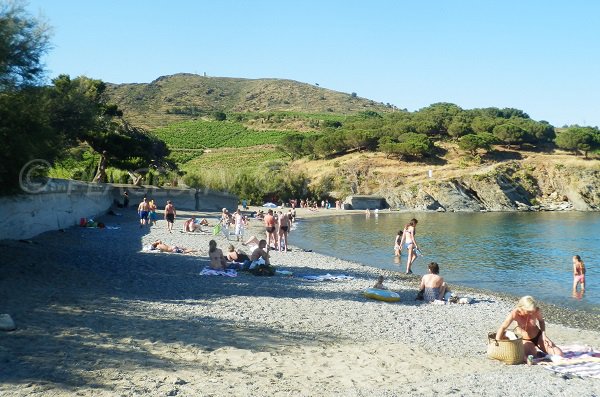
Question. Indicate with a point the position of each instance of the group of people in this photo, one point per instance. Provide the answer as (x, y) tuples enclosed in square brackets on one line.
[(527, 315), (148, 215), (258, 262), (277, 228), (237, 219), (405, 239)]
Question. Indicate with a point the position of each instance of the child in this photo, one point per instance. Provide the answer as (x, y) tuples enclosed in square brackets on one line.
[(379, 283), (397, 245), (578, 273)]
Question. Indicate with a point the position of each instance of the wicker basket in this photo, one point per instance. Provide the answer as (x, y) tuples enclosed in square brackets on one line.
[(506, 350)]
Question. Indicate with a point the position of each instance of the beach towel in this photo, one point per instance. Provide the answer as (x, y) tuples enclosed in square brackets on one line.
[(207, 271), (578, 360), (328, 277)]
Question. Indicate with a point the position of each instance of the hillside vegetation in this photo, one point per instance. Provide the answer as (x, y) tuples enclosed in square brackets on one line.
[(184, 96), (224, 135)]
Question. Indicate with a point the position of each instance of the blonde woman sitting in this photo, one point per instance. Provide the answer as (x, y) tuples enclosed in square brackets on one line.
[(532, 326)]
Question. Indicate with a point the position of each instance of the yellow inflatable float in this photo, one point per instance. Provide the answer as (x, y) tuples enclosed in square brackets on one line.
[(381, 295)]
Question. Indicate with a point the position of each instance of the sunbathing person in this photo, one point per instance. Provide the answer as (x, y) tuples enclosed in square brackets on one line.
[(251, 243), (532, 328), (234, 255), (160, 246), (217, 260), (191, 226), (432, 284)]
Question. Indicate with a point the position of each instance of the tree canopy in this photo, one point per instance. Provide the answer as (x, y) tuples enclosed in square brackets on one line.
[(579, 139), (39, 123), (23, 41)]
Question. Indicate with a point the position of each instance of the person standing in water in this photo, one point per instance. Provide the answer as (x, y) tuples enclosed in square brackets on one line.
[(409, 242), (397, 244), (578, 273)]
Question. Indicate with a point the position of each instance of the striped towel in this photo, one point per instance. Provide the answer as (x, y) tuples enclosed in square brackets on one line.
[(578, 360)]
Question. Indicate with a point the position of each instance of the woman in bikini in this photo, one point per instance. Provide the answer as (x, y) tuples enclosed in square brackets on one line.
[(578, 273), (532, 327), (409, 242)]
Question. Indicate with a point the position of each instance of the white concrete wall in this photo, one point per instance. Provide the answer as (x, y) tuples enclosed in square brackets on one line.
[(59, 205), (62, 203)]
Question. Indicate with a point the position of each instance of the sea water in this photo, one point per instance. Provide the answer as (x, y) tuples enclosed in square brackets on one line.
[(516, 253)]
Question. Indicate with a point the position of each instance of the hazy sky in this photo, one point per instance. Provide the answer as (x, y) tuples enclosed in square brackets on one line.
[(539, 56)]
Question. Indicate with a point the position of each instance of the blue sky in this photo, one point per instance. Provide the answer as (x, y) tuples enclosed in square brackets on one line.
[(539, 56)]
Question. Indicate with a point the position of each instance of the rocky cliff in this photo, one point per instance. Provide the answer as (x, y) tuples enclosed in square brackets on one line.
[(512, 186)]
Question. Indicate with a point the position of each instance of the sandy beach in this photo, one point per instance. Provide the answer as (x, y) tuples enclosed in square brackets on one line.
[(97, 316)]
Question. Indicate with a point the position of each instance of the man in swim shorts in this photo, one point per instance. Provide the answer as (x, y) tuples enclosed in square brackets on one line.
[(284, 227), (170, 214), (143, 210), (270, 229)]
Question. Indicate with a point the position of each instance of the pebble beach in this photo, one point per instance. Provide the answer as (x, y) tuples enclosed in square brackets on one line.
[(98, 316)]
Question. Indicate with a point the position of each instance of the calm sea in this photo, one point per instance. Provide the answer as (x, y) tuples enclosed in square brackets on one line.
[(514, 253)]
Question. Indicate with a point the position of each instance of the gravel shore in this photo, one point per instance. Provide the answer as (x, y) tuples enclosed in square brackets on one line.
[(96, 316)]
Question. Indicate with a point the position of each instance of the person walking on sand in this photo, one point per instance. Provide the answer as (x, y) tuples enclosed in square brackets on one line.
[(143, 210), (409, 242), (532, 327), (240, 225), (152, 216), (269, 222), (398, 244), (578, 274), (170, 214)]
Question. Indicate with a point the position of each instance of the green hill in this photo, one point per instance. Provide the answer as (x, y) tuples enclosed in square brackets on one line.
[(185, 96)]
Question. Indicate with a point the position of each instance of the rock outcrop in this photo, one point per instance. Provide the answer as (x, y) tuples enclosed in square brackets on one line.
[(514, 186)]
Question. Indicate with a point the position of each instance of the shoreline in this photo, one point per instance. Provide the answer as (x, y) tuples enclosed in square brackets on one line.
[(561, 314), (96, 316)]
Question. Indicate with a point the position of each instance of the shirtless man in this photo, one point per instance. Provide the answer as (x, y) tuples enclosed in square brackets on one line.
[(170, 215), (159, 245), (260, 252), (143, 210), (270, 228), (284, 227)]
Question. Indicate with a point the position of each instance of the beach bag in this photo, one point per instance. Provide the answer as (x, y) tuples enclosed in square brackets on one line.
[(263, 270), (216, 229), (509, 351)]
